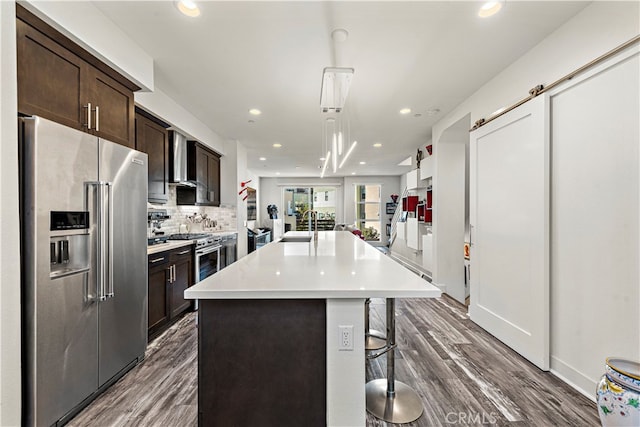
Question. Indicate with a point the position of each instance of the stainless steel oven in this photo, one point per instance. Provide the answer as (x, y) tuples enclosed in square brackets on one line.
[(207, 259)]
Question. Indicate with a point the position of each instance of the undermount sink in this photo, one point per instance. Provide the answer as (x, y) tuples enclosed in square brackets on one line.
[(295, 239)]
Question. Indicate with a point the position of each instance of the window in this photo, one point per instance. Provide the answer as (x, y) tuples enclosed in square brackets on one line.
[(368, 210), (320, 199)]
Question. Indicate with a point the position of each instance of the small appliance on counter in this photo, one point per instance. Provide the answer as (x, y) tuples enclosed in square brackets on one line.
[(155, 217)]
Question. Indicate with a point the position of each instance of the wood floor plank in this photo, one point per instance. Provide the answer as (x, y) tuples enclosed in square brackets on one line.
[(464, 376)]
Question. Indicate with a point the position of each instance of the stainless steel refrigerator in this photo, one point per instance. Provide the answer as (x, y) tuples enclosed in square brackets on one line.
[(84, 258)]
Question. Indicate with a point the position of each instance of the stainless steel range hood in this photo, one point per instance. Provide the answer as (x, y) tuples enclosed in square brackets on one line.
[(178, 147)]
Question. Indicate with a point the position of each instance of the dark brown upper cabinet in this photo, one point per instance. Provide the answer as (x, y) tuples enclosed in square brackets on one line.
[(203, 168), (62, 82), (152, 138)]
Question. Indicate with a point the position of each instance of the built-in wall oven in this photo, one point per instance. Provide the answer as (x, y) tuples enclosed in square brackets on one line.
[(207, 258)]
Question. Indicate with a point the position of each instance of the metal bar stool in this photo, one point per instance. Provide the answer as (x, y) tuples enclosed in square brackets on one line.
[(373, 339), (388, 399)]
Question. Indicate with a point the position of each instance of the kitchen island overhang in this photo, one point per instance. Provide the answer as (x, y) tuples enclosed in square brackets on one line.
[(277, 313)]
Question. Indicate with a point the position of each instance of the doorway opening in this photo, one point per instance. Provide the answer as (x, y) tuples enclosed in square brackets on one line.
[(297, 200)]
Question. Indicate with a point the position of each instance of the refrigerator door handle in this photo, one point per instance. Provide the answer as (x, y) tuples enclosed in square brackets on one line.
[(104, 234), (102, 243), (89, 296), (109, 187)]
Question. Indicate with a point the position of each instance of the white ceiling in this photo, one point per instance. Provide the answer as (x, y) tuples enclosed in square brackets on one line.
[(270, 55)]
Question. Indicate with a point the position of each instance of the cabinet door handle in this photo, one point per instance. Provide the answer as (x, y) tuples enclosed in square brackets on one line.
[(97, 110), (156, 260), (173, 273), (88, 107), (211, 196), (184, 252)]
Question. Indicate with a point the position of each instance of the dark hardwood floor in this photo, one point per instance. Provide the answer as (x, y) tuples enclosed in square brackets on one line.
[(464, 375)]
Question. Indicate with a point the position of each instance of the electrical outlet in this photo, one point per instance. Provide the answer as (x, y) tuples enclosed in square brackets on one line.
[(346, 338)]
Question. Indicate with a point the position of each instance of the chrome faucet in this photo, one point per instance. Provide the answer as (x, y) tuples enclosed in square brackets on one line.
[(314, 216)]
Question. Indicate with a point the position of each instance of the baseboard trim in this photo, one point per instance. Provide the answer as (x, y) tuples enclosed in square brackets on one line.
[(576, 379)]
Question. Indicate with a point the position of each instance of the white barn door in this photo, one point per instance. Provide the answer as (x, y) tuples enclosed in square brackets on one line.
[(509, 217)]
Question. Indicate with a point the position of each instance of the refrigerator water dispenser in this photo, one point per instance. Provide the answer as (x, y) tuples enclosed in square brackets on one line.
[(69, 243)]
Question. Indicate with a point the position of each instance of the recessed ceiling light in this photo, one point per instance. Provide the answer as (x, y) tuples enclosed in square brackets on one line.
[(363, 163), (405, 111), (377, 145), (322, 159), (297, 167), (262, 159), (188, 8), (277, 173), (255, 112), (353, 173), (490, 8), (277, 145)]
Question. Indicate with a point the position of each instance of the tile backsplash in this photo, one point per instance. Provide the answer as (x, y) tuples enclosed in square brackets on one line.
[(224, 216)]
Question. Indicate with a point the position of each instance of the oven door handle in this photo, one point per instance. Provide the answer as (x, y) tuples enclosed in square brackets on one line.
[(208, 250)]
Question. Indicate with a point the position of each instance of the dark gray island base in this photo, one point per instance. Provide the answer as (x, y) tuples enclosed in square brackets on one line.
[(262, 362)]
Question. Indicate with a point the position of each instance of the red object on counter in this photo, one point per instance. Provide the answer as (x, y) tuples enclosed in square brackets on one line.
[(358, 233)]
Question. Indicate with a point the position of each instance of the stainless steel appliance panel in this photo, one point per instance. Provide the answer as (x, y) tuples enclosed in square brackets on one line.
[(207, 262), (179, 173), (123, 315), (61, 312)]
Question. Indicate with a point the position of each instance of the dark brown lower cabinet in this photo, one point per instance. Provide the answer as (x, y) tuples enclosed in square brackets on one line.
[(158, 285), (170, 273), (182, 261), (262, 363)]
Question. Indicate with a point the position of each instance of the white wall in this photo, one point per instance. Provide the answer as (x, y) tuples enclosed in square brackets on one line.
[(233, 170), (10, 398), (449, 211), (390, 185), (165, 108)]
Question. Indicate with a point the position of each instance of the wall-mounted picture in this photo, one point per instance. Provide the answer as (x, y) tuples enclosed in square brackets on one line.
[(391, 208)]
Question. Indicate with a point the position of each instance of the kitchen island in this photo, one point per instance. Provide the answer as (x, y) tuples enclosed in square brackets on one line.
[(270, 348)]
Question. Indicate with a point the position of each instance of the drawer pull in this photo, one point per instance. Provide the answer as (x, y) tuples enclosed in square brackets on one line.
[(156, 260), (184, 252)]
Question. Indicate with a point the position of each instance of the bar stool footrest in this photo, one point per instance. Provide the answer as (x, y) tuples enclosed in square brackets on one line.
[(380, 353)]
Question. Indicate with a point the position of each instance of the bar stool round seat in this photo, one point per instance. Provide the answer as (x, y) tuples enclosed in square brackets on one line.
[(387, 399)]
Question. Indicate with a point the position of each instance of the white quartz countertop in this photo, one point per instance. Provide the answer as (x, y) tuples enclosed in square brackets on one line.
[(339, 265), (169, 245)]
